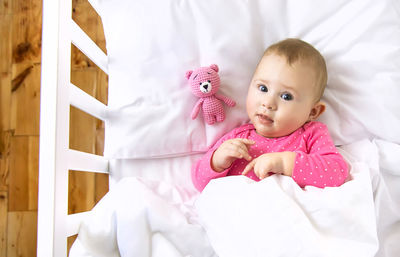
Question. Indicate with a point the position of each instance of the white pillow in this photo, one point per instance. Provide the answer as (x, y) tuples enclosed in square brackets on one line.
[(152, 43)]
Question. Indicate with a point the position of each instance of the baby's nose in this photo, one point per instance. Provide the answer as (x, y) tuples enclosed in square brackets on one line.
[(270, 105)]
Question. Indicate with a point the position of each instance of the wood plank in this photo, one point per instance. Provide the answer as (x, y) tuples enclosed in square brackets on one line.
[(82, 125), (82, 138), (33, 172), (101, 186), (90, 22), (80, 60), (25, 102), (82, 15), (70, 241), (5, 147), (5, 132), (100, 38), (5, 101), (102, 180), (26, 33), (81, 191), (85, 16), (88, 47), (18, 182), (3, 223), (6, 43), (5, 7), (102, 86), (21, 236), (23, 173)]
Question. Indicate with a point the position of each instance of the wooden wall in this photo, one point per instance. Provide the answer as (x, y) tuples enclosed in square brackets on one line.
[(20, 63)]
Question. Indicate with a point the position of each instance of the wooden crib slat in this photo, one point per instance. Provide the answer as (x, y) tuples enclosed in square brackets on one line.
[(74, 221), (83, 101), (87, 162), (81, 40)]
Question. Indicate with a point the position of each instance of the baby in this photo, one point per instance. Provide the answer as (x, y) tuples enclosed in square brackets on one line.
[(283, 137)]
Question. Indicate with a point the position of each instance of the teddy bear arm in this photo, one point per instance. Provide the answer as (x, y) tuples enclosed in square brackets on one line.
[(196, 108), (226, 100)]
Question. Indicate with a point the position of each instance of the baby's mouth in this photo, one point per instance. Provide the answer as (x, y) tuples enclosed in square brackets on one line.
[(264, 119)]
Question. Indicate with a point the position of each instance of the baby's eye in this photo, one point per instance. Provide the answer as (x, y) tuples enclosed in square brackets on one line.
[(263, 88), (287, 96)]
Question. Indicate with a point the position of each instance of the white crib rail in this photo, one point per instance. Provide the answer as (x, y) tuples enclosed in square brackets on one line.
[(57, 94), (83, 101), (87, 46), (86, 162)]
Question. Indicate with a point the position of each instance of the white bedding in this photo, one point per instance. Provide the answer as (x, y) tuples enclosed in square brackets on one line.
[(149, 132), (152, 43), (142, 218), (240, 217)]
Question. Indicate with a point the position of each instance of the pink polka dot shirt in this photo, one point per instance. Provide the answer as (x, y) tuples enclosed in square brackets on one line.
[(317, 161)]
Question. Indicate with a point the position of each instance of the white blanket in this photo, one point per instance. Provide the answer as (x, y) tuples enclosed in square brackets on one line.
[(142, 218), (275, 217), (240, 217)]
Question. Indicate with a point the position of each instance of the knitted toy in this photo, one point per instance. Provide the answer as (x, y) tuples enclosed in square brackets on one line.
[(204, 83)]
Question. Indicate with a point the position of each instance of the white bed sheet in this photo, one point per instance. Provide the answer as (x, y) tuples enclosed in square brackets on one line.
[(152, 43), (239, 217)]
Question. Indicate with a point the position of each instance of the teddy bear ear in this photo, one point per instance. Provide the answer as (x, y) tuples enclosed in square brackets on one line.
[(188, 73), (214, 67)]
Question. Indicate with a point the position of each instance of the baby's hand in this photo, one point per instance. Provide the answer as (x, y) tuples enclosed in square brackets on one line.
[(229, 151), (280, 163)]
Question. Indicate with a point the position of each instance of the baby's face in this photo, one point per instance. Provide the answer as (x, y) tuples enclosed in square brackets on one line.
[(281, 97)]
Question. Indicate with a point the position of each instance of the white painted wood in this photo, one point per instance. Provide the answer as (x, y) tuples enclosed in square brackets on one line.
[(55, 157), (88, 47), (54, 129), (86, 162), (85, 102)]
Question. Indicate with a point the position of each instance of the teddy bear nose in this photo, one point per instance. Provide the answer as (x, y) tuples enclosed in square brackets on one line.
[(205, 87)]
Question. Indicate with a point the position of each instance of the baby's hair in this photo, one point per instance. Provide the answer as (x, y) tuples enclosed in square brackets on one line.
[(294, 50)]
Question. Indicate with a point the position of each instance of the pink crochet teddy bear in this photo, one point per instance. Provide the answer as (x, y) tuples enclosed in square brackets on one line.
[(204, 83)]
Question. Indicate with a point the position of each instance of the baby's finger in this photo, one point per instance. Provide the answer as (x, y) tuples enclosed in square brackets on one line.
[(249, 167), (241, 149), (262, 175), (246, 141), (244, 153), (244, 144), (238, 153)]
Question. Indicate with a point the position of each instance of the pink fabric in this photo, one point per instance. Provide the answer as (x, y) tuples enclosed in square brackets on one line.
[(317, 161)]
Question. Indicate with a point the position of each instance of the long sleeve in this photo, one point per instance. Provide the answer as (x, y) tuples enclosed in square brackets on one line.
[(202, 172), (321, 165)]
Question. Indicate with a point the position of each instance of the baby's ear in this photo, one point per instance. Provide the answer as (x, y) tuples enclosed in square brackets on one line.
[(188, 73), (317, 110), (214, 67)]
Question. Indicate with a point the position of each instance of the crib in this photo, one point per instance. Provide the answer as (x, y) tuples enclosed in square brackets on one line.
[(361, 43)]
